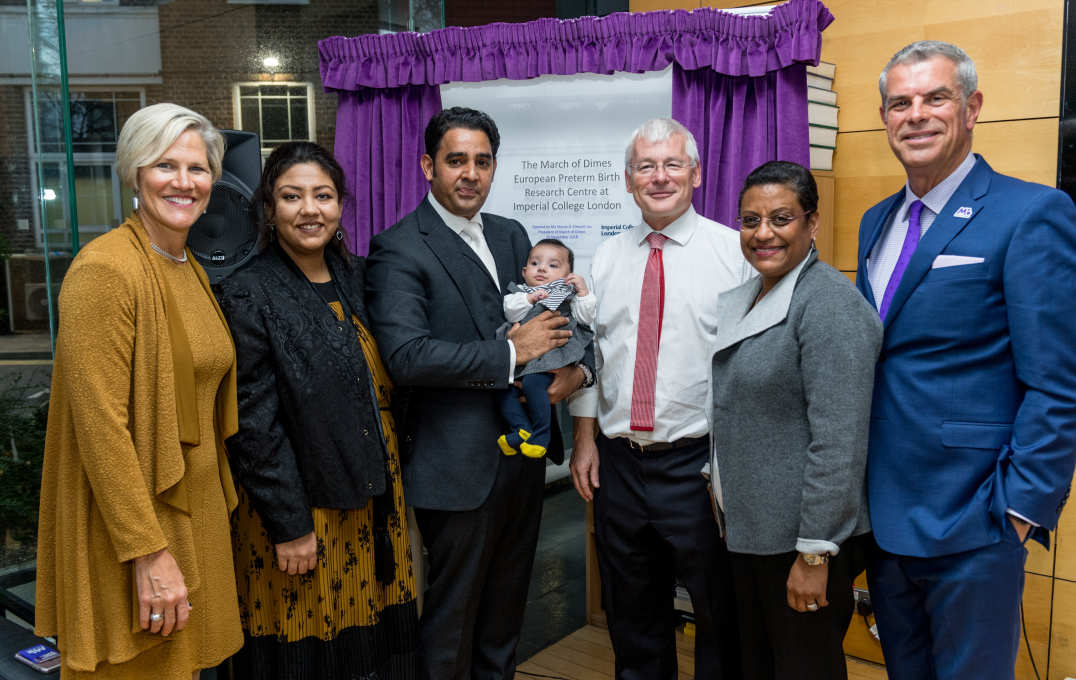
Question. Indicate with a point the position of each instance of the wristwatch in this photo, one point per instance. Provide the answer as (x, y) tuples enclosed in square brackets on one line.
[(815, 559), (588, 375)]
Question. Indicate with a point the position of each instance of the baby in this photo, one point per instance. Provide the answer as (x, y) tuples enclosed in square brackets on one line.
[(550, 284)]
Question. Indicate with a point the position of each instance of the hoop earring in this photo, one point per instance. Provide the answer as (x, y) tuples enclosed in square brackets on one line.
[(339, 234)]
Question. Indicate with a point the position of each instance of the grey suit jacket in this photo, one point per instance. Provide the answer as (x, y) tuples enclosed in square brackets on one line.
[(434, 311), (792, 385)]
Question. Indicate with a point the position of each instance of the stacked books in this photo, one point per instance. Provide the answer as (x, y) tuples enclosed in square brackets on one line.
[(822, 114)]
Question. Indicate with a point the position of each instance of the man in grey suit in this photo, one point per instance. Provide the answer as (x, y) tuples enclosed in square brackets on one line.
[(434, 286)]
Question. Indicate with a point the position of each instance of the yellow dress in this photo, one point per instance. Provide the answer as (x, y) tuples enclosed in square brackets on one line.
[(336, 621), (210, 636)]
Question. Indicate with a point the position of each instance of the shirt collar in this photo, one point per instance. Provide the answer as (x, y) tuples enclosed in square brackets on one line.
[(679, 230), (937, 197), (454, 222)]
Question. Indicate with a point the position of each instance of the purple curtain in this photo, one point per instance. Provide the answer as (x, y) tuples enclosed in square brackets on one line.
[(379, 144), (393, 79), (740, 122)]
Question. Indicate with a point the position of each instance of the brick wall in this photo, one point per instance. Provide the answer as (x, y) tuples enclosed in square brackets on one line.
[(16, 200)]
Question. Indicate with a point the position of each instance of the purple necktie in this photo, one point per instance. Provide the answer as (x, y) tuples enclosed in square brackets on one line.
[(911, 240)]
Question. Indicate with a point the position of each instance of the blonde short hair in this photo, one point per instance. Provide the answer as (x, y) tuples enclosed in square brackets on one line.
[(150, 131)]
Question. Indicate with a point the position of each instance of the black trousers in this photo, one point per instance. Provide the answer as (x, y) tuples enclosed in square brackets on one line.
[(780, 643), (654, 525), (480, 568)]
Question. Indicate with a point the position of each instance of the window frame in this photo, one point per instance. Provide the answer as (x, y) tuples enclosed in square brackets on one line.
[(311, 116), (101, 158)]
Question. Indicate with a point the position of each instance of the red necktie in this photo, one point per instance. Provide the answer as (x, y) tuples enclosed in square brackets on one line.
[(651, 308)]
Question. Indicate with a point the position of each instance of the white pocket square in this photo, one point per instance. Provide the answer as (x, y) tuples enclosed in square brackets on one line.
[(954, 261)]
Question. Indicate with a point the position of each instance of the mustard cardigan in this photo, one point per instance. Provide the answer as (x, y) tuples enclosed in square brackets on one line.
[(121, 412)]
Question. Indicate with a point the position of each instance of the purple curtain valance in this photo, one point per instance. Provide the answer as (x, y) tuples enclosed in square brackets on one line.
[(729, 44)]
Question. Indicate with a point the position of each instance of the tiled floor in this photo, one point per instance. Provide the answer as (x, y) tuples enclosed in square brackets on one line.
[(556, 601)]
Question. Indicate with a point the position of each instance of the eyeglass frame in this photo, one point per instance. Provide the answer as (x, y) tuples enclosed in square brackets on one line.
[(769, 220), (681, 167)]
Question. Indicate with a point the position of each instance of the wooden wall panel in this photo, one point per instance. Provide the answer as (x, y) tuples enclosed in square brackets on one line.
[(725, 4), (1037, 593), (1064, 543), (1022, 80), (867, 171), (826, 204), (651, 5), (1040, 561), (858, 641), (1063, 636)]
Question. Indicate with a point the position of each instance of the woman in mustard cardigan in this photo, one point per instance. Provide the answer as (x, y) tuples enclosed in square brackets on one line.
[(135, 574)]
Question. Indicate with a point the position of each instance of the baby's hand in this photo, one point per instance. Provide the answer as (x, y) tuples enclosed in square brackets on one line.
[(579, 283), (537, 295)]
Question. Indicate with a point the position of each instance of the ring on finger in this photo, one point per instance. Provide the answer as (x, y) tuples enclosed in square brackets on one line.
[(156, 616), (813, 607)]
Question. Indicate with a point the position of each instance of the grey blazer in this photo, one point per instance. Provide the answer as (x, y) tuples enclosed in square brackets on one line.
[(792, 384)]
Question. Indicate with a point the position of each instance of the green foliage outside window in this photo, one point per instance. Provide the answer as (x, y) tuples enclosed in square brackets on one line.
[(23, 413)]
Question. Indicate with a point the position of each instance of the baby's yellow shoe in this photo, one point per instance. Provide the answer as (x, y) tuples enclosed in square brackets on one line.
[(506, 448), (532, 450), (509, 442)]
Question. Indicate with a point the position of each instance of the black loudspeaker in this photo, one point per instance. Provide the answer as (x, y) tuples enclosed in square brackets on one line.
[(226, 236)]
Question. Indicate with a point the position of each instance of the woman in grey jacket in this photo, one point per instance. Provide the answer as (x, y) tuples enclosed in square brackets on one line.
[(793, 374)]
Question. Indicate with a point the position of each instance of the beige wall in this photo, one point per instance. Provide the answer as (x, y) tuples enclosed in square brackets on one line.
[(1016, 45)]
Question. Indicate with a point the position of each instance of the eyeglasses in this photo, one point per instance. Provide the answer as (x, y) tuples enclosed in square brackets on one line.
[(754, 221), (647, 168)]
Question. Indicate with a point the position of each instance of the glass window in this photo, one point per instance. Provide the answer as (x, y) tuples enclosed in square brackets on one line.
[(278, 112), (96, 119)]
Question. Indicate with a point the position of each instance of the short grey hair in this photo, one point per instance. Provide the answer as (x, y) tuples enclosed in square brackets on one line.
[(150, 131), (658, 130), (966, 77)]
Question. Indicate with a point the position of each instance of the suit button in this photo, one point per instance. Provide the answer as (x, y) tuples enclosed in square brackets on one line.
[(365, 432)]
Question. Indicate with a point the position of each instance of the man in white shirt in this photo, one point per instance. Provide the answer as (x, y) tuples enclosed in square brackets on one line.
[(641, 435)]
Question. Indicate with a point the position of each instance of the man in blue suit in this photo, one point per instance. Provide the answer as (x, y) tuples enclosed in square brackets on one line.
[(973, 429)]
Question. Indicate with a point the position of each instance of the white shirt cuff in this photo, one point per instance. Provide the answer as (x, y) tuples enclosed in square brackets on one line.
[(511, 362), (1018, 516), (584, 403), (815, 546)]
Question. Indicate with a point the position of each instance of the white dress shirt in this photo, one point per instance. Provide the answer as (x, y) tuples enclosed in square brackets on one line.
[(459, 224), (886, 251), (701, 259)]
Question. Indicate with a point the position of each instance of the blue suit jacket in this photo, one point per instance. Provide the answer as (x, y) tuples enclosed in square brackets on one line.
[(975, 392)]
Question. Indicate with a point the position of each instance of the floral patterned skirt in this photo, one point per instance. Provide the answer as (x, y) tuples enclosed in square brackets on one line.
[(336, 621)]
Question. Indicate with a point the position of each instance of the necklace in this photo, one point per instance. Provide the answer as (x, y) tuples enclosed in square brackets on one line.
[(164, 253)]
